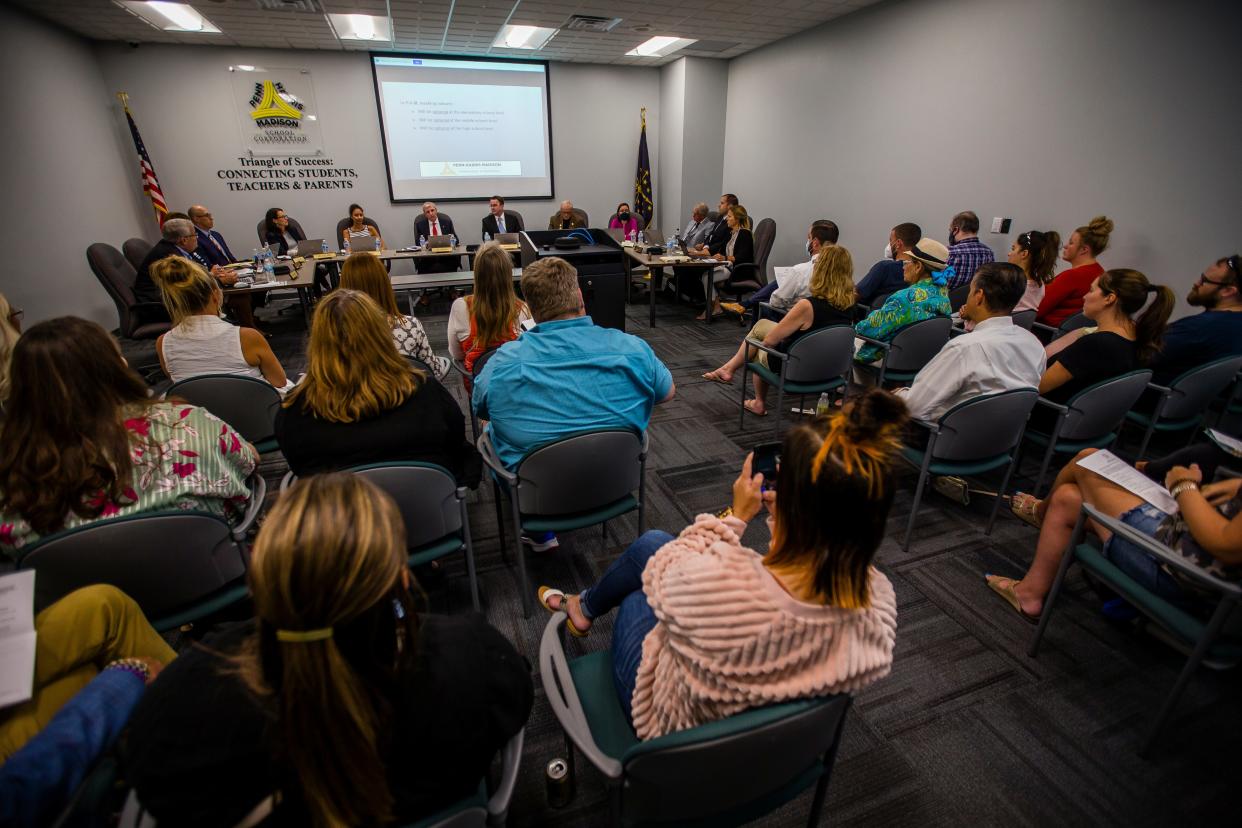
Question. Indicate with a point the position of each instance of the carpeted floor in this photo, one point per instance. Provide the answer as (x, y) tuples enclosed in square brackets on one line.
[(967, 729)]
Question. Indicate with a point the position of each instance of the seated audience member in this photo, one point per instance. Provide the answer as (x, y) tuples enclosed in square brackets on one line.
[(358, 234), (832, 296), (499, 220), (179, 239), (1207, 531), (1063, 296), (366, 273), (489, 317), (77, 637), (887, 275), (1035, 251), (698, 227), (625, 221), (95, 654), (10, 330), (211, 245), (362, 402), (200, 342), (966, 251), (566, 374), (1119, 343), (783, 292), (565, 218), (1214, 333), (707, 628), (84, 440), (342, 704), (738, 249), (924, 297), (995, 356)]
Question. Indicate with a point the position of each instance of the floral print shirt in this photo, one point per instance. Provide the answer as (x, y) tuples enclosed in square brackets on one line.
[(922, 300), (412, 341), (183, 458)]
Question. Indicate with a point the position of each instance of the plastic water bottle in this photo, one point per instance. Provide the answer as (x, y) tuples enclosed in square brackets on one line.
[(487, 237), (453, 239), (642, 238), (377, 242), (345, 246), (324, 246), (258, 263), (824, 407), (269, 267), (422, 241)]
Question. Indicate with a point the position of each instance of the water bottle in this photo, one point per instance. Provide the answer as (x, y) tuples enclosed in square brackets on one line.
[(377, 243), (269, 267), (642, 238), (324, 246), (422, 241), (258, 263), (824, 407), (345, 246), (487, 237), (453, 239)]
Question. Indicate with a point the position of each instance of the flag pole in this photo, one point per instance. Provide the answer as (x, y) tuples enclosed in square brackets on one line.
[(123, 97)]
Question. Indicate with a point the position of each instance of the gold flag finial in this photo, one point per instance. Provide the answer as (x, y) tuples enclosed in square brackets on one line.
[(123, 97)]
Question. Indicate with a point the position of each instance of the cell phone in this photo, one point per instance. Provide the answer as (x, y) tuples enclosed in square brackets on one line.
[(767, 455), (527, 324)]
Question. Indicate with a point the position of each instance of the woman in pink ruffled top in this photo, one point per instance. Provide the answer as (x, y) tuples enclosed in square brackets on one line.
[(707, 627)]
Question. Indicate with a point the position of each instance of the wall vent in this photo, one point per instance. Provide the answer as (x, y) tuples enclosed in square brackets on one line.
[(296, 6), (589, 23)]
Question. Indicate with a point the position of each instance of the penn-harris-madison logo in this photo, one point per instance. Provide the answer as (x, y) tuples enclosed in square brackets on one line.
[(277, 114)]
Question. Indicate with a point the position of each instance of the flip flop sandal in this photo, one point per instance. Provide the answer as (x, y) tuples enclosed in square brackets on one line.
[(753, 413), (1011, 597), (1024, 506), (550, 592), (713, 376)]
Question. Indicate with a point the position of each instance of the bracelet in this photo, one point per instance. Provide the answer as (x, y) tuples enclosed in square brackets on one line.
[(1183, 486), (1179, 481), (132, 665), (725, 512)]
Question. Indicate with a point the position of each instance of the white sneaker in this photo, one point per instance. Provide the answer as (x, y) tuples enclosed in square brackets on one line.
[(541, 546)]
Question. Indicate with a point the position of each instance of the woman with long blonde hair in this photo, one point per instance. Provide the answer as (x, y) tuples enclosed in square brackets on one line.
[(362, 402), (492, 315), (343, 705), (832, 296), (366, 273), (9, 332)]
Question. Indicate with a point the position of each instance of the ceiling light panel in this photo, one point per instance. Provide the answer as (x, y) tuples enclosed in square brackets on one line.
[(659, 46), (367, 27), (516, 36), (170, 17)]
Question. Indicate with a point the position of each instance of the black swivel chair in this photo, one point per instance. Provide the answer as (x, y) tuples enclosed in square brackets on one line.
[(293, 225), (136, 251), (749, 277), (345, 222), (138, 320)]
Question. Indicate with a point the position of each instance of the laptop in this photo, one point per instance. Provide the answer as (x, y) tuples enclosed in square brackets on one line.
[(307, 247), (436, 244), (509, 241)]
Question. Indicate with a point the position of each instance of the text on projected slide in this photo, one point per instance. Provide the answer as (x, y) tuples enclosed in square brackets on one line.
[(445, 130)]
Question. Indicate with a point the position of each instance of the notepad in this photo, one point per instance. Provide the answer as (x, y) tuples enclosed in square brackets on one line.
[(17, 637), (1111, 467)]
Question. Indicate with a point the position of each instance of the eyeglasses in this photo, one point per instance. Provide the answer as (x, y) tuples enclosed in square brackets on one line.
[(1204, 280), (16, 314)]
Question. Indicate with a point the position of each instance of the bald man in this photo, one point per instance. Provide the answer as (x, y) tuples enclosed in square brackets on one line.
[(565, 218), (213, 248)]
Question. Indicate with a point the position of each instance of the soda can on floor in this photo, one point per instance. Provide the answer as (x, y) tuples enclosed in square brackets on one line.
[(560, 783)]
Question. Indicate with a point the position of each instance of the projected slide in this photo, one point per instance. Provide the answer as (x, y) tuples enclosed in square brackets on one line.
[(464, 129)]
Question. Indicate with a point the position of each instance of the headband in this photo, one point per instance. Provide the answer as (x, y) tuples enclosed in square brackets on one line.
[(303, 636)]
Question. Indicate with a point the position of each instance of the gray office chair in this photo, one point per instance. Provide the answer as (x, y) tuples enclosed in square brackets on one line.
[(477, 811), (973, 437), (136, 251), (1078, 320), (1024, 319), (1183, 404), (433, 508), (726, 772), (819, 361), (247, 404), (578, 481), (957, 296), (1091, 418), (1203, 638), (293, 225), (346, 222), (912, 347), (138, 320), (178, 566)]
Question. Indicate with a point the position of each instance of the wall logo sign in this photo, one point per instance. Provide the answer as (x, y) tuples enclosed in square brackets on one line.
[(276, 111)]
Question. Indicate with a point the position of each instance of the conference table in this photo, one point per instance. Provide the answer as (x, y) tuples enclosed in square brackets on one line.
[(656, 262)]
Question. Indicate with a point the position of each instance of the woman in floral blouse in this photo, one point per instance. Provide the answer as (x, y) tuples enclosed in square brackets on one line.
[(84, 441), (366, 273), (927, 271)]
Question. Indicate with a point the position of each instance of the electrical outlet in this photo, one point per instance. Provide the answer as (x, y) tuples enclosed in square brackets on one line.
[(1001, 225)]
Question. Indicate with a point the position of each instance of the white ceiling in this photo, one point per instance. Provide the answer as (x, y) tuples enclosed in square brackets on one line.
[(724, 29)]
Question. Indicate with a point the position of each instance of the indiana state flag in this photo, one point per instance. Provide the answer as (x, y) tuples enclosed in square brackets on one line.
[(643, 204)]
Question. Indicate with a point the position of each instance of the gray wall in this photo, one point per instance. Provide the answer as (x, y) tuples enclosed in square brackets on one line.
[(672, 132), (182, 99), (1048, 113), (66, 178), (693, 96)]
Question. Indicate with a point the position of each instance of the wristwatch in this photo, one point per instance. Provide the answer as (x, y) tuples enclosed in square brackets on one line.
[(725, 512)]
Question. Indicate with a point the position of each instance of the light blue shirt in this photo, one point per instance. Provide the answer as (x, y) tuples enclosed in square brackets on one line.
[(563, 377)]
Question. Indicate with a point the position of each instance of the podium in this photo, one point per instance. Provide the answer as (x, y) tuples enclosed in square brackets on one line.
[(600, 266)]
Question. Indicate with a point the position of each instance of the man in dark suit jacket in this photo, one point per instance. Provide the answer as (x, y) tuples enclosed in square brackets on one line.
[(719, 237), (493, 221), (431, 223), (211, 245), (180, 239)]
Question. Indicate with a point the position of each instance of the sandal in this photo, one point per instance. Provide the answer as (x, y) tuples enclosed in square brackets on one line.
[(1007, 592), (1026, 507), (715, 376), (546, 593), (750, 410)]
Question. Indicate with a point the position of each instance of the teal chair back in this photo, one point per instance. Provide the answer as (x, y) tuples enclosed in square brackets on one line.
[(581, 472), (1101, 408), (983, 427), (820, 355)]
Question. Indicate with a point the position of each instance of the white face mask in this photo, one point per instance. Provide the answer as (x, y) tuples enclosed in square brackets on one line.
[(888, 251), (808, 247)]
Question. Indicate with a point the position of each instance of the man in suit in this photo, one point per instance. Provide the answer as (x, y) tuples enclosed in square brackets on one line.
[(500, 220), (712, 245), (566, 218), (180, 239), (698, 227), (211, 245), (431, 223)]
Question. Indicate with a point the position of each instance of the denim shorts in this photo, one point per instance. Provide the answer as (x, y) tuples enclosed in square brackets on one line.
[(1135, 562)]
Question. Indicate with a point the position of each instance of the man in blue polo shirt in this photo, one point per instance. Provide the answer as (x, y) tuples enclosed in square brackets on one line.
[(565, 375)]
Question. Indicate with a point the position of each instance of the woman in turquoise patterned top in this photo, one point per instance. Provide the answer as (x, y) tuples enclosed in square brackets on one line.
[(84, 441), (926, 272)]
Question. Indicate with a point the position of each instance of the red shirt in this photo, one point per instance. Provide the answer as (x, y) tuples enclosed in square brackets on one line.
[(1063, 296)]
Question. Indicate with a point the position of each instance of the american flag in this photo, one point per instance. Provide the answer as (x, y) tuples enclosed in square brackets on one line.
[(150, 184)]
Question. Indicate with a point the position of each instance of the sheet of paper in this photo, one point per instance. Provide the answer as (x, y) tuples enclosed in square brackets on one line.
[(17, 637), (782, 273), (1111, 467), (1229, 444)]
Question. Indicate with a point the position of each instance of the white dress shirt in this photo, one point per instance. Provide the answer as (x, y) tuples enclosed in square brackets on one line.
[(996, 356), (792, 284)]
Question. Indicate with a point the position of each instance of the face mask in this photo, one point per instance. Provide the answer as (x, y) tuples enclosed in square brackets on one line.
[(808, 247), (623, 216), (888, 251), (952, 238)]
